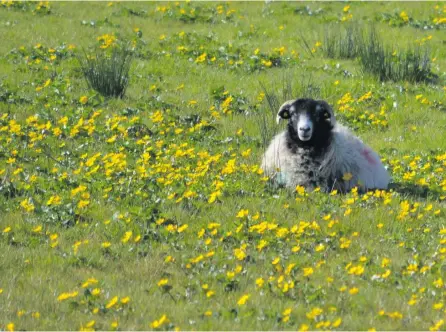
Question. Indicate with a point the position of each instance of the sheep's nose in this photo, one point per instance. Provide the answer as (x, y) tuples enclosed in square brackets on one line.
[(304, 129)]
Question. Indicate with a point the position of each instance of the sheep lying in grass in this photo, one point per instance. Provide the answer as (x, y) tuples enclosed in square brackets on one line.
[(315, 151)]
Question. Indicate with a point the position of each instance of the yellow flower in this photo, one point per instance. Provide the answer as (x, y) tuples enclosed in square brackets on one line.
[(213, 197), (65, 296), (243, 300), (353, 291), (10, 327), (96, 291), (25, 204), (242, 213), (126, 237), (201, 58), (385, 262), (404, 16), (54, 200), (157, 323), (395, 314), (83, 100), (260, 282), (106, 40), (295, 249), (437, 325), (304, 327), (182, 228), (438, 283), (246, 153), (336, 323), (90, 281), (82, 204), (308, 271), (240, 254), (37, 229), (344, 243), (314, 313), (355, 269), (163, 282), (112, 302), (438, 306), (319, 247), (386, 274), (267, 63)]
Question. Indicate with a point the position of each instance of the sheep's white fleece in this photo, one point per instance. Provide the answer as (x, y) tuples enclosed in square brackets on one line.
[(345, 154)]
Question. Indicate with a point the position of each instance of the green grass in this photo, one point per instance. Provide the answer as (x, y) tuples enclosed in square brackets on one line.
[(142, 194)]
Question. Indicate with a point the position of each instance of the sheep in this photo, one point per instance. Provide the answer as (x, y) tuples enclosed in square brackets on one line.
[(316, 151)]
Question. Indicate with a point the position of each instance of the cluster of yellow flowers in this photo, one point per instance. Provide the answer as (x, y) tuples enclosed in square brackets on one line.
[(354, 111), (107, 40)]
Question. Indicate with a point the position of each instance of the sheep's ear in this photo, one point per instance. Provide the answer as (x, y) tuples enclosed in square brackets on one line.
[(328, 111), (284, 111)]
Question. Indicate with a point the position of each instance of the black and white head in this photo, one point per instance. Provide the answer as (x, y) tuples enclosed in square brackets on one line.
[(310, 121)]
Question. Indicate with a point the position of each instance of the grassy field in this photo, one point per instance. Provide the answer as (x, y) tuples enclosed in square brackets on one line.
[(150, 211)]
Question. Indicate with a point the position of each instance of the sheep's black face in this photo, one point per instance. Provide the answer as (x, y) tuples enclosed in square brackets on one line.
[(310, 122)]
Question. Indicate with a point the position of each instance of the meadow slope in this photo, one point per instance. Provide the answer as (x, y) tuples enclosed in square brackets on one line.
[(151, 212)]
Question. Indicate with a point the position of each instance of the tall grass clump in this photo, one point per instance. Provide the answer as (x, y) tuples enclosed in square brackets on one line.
[(107, 72), (412, 64), (341, 44)]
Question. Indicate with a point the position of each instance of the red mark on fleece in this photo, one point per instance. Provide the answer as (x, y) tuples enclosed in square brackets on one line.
[(367, 154)]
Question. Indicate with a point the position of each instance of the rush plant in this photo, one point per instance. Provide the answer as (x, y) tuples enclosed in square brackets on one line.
[(107, 72), (412, 64)]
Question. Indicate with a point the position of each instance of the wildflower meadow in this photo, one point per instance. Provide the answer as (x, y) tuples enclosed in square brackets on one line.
[(131, 196)]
